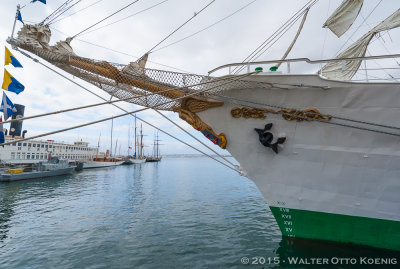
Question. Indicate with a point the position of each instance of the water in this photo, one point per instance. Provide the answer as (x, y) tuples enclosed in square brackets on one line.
[(179, 213)]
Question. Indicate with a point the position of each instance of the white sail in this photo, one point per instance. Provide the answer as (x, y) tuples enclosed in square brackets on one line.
[(340, 71), (344, 16)]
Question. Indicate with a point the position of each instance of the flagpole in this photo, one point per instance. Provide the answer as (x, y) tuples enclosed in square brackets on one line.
[(15, 21)]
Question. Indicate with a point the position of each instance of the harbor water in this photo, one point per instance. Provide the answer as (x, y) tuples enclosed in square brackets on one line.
[(183, 212)]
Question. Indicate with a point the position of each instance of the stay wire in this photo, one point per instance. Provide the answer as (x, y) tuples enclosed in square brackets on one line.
[(55, 12), (132, 113), (195, 14), (65, 10), (359, 26), (130, 16), (77, 11), (109, 16), (269, 44), (271, 37), (221, 20), (120, 52)]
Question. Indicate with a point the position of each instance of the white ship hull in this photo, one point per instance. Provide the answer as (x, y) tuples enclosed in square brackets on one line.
[(96, 164), (321, 167)]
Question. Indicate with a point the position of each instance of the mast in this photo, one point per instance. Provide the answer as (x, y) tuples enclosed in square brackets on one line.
[(115, 151), (112, 125), (135, 137), (15, 20), (98, 146), (141, 141), (129, 137)]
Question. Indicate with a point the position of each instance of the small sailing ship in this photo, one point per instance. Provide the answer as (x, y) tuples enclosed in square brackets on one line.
[(156, 157), (137, 157)]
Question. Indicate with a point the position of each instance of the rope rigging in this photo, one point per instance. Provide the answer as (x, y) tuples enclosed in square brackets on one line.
[(109, 16), (55, 13), (228, 79), (65, 10), (120, 52), (165, 38), (261, 49), (130, 16), (206, 28), (246, 103), (98, 1)]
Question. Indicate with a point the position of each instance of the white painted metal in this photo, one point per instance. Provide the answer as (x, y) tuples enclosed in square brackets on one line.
[(321, 167)]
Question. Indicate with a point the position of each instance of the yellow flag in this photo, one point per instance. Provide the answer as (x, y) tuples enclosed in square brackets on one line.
[(10, 59)]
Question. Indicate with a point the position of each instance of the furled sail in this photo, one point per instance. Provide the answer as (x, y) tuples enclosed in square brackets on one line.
[(346, 70), (344, 16), (147, 87)]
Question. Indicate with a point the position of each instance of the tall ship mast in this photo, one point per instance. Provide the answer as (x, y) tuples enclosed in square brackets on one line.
[(322, 148)]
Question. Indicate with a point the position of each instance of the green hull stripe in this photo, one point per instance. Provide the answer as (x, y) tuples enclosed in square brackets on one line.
[(339, 228)]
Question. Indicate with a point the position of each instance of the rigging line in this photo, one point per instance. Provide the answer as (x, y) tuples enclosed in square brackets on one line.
[(295, 37), (143, 10), (65, 10), (325, 34), (377, 63), (284, 30), (127, 113), (165, 38), (107, 102), (380, 41), (230, 15), (359, 27), (29, 2), (77, 11), (120, 52), (268, 45), (69, 109), (56, 11), (198, 140), (271, 37), (109, 16), (319, 114)]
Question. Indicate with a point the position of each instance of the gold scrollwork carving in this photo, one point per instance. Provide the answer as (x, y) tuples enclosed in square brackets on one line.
[(247, 112), (187, 112), (308, 114)]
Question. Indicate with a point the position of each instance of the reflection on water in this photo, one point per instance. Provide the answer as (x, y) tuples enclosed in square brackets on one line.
[(181, 212)]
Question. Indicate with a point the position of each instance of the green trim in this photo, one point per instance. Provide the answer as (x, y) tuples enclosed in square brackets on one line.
[(372, 232)]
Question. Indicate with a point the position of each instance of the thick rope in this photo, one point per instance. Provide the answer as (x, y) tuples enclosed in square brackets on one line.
[(295, 38), (128, 113), (198, 140), (103, 103), (132, 113), (241, 102)]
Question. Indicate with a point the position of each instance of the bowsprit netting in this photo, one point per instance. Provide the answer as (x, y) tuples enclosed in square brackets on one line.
[(147, 87)]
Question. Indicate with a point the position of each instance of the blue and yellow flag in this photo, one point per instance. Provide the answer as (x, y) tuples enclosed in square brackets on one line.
[(43, 1), (11, 84), (10, 59), (19, 17)]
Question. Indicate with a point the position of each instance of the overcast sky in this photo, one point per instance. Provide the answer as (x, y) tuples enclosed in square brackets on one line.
[(232, 40)]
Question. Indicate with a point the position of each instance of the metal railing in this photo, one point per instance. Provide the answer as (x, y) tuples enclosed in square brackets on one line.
[(307, 60)]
